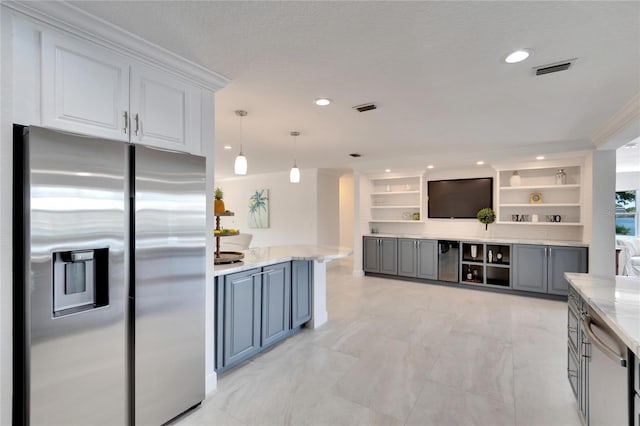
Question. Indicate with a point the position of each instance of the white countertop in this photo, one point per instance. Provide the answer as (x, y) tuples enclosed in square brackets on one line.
[(616, 300), (484, 240), (263, 256)]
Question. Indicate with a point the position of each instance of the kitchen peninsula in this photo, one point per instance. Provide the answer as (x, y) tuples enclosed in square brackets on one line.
[(268, 297), (603, 351)]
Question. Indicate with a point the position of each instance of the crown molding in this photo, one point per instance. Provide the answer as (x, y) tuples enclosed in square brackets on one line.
[(626, 123), (69, 18)]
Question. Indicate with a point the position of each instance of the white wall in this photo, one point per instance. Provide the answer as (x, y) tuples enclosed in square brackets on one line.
[(627, 181), (6, 170), (293, 207), (602, 250), (347, 198), (328, 208)]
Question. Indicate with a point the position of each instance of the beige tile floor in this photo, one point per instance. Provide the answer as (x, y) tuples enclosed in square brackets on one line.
[(397, 352)]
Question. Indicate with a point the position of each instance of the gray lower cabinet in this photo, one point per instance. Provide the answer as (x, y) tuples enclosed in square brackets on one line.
[(380, 255), (541, 269), (300, 292), (418, 258), (256, 308), (242, 297), (276, 302)]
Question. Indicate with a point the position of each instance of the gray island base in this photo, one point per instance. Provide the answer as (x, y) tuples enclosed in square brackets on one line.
[(268, 297)]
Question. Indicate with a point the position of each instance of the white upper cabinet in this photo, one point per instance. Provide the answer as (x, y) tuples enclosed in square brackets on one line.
[(85, 88), (165, 111)]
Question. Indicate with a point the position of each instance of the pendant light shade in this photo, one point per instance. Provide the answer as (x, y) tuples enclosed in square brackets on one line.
[(240, 165), (294, 174)]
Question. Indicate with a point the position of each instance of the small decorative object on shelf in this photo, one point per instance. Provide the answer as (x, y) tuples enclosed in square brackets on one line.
[(561, 177), (469, 274), (486, 216), (499, 255), (416, 216), (535, 198), (225, 256), (218, 204), (515, 179), (490, 256), (474, 251)]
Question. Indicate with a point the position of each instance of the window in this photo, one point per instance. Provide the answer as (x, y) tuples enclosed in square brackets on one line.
[(626, 214)]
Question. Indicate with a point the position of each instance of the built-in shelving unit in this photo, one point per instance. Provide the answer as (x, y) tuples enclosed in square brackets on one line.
[(560, 204), (397, 199), (487, 264)]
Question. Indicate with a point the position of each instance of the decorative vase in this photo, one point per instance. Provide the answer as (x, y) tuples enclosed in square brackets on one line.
[(218, 206), (561, 177), (515, 179)]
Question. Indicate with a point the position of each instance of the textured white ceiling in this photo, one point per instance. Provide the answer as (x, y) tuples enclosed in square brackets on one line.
[(435, 69)]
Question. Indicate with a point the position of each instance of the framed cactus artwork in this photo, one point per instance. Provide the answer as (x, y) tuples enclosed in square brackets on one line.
[(259, 209)]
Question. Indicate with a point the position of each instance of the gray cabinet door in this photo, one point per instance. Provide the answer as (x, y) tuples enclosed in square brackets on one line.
[(407, 265), (276, 302), (389, 256), (242, 315), (371, 254), (530, 268), (427, 257), (561, 260), (300, 292)]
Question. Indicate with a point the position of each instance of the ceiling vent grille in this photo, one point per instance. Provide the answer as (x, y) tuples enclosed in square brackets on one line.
[(365, 107), (556, 67)]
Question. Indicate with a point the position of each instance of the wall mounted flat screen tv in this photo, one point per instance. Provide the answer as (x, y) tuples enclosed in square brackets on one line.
[(459, 198)]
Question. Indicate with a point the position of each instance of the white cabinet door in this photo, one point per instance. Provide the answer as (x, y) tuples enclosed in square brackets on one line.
[(85, 88), (165, 111)]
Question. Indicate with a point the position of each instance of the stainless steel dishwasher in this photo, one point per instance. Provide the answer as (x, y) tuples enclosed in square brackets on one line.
[(607, 381), (448, 261)]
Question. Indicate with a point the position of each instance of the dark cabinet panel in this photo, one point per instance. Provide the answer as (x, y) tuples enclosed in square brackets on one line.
[(371, 254), (242, 305), (300, 292), (561, 260), (276, 303), (530, 268)]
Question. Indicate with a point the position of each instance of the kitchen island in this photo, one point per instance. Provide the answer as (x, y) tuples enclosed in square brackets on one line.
[(603, 333), (269, 296)]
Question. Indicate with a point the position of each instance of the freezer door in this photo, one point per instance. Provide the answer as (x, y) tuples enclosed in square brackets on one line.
[(74, 279), (169, 286)]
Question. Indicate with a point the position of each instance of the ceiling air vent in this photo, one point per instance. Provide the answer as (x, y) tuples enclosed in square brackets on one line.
[(365, 107), (557, 67)]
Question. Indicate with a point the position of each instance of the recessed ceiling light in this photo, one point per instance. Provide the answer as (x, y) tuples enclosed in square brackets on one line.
[(631, 145), (227, 147), (480, 163), (387, 170), (540, 157), (322, 101), (430, 166), (518, 56)]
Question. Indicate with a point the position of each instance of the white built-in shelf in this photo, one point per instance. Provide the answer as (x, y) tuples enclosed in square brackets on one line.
[(542, 205), (506, 222), (564, 200), (395, 207), (396, 221), (538, 187), (394, 193), (395, 197)]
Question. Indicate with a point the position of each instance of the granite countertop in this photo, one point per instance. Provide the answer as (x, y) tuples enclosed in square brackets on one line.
[(484, 240), (616, 300), (263, 256)]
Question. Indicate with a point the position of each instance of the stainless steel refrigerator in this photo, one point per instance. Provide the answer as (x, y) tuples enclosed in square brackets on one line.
[(109, 278)]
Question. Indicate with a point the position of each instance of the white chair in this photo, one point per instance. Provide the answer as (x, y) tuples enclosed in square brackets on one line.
[(236, 243), (629, 255)]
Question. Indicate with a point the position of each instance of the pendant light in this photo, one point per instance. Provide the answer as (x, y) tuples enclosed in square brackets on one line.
[(240, 165), (294, 174)]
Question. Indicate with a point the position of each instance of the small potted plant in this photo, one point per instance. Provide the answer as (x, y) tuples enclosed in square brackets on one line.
[(486, 216), (218, 204)]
